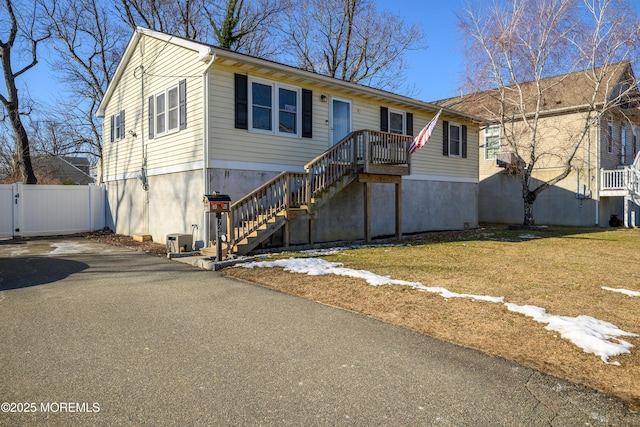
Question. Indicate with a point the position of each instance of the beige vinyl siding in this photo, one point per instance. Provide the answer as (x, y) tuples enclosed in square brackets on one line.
[(165, 64), (429, 160), (239, 145), (230, 144), (557, 135)]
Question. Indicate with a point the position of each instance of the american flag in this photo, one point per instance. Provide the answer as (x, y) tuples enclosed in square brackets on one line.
[(424, 135)]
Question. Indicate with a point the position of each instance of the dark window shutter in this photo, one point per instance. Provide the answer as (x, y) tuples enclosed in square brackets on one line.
[(151, 121), (122, 128), (384, 119), (113, 125), (409, 124), (445, 138), (307, 113), (182, 96), (464, 141), (241, 102)]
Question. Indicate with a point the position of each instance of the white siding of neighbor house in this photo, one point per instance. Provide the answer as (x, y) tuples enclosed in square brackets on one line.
[(165, 64)]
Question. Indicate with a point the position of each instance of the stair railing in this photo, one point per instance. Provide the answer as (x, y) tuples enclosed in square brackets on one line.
[(284, 191), (333, 164)]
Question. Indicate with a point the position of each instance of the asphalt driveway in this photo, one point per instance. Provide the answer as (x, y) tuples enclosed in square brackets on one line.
[(97, 335)]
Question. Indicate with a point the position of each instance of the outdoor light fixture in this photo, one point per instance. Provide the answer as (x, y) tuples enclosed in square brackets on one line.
[(323, 98)]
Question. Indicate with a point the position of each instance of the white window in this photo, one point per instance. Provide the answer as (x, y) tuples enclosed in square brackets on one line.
[(455, 140), (491, 142), (167, 111), (397, 122), (273, 103)]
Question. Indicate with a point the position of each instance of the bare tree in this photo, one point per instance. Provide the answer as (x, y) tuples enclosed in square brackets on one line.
[(89, 44), (183, 18), (23, 32), (246, 27), (515, 46), (350, 40)]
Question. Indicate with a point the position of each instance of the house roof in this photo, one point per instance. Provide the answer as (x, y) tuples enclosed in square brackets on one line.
[(210, 54), (61, 168), (560, 94)]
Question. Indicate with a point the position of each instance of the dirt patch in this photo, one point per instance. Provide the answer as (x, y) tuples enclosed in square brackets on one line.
[(109, 237)]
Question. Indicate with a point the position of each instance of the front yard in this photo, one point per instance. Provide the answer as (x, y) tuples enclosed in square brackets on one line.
[(562, 270)]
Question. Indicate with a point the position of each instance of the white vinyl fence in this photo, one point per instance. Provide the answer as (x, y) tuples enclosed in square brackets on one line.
[(46, 210)]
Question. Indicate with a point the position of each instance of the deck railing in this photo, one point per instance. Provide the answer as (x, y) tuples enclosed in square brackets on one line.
[(614, 179), (359, 148)]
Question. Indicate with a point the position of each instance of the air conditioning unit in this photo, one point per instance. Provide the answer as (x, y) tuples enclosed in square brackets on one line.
[(177, 243)]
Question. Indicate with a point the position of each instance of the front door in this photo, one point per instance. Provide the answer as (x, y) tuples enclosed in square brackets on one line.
[(340, 119)]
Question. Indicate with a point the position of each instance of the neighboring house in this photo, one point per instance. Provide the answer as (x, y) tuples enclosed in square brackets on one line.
[(183, 119), (72, 170), (597, 191)]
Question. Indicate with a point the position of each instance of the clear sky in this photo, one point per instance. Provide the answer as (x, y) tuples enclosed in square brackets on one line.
[(435, 72)]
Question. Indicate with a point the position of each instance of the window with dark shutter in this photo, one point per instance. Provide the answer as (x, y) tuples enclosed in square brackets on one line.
[(122, 128), (409, 124), (182, 93), (464, 141), (384, 119), (445, 138), (307, 113), (113, 128), (241, 102), (151, 119)]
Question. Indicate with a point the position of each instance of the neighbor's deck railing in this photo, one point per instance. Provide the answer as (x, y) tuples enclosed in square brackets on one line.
[(614, 179)]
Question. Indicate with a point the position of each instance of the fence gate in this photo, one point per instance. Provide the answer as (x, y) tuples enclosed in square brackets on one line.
[(45, 210)]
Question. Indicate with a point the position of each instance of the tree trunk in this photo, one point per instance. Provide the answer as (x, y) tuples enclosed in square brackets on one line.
[(22, 147), (529, 198)]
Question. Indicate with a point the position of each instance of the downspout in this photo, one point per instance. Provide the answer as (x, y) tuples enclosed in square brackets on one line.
[(598, 172), (205, 144)]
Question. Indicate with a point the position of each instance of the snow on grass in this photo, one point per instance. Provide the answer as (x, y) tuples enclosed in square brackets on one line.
[(529, 236), (319, 267), (592, 335), (622, 291)]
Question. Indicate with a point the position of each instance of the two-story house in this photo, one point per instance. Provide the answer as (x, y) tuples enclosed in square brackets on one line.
[(598, 191), (303, 157)]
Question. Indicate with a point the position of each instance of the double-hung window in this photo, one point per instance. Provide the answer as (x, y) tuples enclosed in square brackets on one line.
[(396, 122), (491, 142), (274, 108), (455, 140), (167, 110)]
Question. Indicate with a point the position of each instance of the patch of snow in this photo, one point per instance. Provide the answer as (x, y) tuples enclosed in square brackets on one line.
[(64, 248), (529, 236), (319, 267), (592, 335), (321, 252), (623, 291)]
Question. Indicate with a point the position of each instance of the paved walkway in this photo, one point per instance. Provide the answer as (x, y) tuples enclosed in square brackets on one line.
[(124, 338)]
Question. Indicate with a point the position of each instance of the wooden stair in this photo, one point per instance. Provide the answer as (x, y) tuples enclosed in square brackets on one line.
[(298, 195)]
